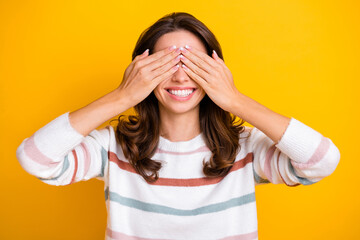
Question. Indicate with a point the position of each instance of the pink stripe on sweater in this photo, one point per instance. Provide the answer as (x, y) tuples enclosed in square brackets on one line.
[(86, 158), (76, 167), (246, 236), (34, 153), (319, 153), (268, 157), (193, 182), (122, 236), (201, 149), (279, 170)]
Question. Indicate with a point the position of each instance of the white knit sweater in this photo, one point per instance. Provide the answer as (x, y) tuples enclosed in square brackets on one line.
[(183, 203)]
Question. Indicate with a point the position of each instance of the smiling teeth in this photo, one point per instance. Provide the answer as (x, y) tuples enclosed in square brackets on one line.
[(181, 93)]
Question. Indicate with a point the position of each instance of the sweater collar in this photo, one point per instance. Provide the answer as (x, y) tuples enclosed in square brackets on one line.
[(182, 146)]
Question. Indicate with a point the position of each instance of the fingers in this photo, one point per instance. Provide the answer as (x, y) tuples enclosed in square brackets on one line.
[(164, 68), (156, 67), (195, 77), (196, 69), (200, 58), (214, 66), (168, 52), (137, 58), (217, 58), (165, 75), (146, 65), (172, 57), (141, 56)]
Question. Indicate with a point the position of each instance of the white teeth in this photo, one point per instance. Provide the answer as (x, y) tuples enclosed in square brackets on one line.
[(181, 93)]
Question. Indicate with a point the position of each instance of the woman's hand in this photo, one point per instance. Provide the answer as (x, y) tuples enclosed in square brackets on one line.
[(217, 81), (212, 75), (145, 72)]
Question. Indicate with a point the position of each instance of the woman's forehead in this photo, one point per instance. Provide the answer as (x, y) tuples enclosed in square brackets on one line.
[(179, 38)]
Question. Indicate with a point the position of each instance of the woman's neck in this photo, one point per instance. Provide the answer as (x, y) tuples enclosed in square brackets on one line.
[(179, 127)]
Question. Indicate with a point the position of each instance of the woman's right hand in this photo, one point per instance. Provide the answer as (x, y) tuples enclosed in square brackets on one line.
[(145, 72)]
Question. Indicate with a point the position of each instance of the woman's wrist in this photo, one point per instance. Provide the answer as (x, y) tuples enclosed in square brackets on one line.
[(89, 117), (261, 117), (120, 100), (242, 105)]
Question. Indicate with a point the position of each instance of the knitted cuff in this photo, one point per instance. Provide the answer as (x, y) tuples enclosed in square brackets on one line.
[(299, 141), (58, 137)]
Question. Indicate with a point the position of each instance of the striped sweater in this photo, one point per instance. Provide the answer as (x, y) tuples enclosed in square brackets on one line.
[(183, 203)]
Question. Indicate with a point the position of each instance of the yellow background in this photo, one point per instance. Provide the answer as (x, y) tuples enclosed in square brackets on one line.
[(299, 58)]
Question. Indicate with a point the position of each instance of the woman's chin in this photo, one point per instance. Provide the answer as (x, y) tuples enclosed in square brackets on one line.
[(179, 109)]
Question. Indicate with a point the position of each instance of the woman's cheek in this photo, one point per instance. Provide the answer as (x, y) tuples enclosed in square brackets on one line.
[(156, 92)]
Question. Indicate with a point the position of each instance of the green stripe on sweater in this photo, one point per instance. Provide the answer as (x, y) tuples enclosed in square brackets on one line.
[(150, 207), (65, 166)]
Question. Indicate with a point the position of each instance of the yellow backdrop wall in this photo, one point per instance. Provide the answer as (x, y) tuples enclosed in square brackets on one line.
[(299, 58)]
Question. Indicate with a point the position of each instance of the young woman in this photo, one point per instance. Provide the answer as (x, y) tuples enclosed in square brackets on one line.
[(182, 167)]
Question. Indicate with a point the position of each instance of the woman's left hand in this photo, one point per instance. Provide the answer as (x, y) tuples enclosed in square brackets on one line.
[(212, 75), (217, 81)]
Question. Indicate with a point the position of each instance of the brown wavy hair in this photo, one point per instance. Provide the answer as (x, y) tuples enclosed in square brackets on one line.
[(139, 134)]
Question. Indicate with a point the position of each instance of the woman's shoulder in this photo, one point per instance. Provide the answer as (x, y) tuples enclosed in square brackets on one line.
[(105, 136), (245, 134), (250, 136)]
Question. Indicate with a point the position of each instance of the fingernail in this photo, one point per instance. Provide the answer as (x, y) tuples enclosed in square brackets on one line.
[(176, 67), (184, 67), (215, 53), (172, 48), (183, 50), (146, 51), (180, 57)]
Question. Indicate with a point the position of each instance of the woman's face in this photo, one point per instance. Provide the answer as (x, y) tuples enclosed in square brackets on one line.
[(167, 92)]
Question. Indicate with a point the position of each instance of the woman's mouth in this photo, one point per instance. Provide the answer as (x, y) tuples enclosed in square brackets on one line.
[(181, 94)]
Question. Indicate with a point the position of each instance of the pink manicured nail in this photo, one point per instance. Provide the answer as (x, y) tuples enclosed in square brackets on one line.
[(184, 67), (145, 52), (176, 67), (172, 48), (215, 53), (179, 57), (183, 49)]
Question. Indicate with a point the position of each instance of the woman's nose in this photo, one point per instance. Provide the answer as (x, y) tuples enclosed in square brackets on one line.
[(180, 75)]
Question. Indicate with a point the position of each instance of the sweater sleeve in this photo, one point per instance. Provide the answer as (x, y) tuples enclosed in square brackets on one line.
[(59, 155), (302, 156)]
